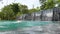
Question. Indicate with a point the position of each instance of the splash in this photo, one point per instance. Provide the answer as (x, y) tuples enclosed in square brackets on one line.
[(19, 21)]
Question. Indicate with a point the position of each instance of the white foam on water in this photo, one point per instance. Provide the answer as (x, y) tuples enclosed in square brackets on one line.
[(19, 21), (3, 27)]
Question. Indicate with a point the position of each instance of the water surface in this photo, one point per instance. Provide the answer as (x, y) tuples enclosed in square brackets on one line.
[(28, 27)]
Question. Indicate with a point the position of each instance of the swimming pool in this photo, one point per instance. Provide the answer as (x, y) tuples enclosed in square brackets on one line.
[(28, 27), (11, 25)]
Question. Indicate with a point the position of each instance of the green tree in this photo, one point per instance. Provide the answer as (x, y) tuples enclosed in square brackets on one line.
[(11, 11), (15, 8), (32, 10), (8, 12), (23, 9), (47, 4), (1, 15)]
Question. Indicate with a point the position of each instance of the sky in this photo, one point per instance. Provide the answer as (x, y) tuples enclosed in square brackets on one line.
[(29, 3)]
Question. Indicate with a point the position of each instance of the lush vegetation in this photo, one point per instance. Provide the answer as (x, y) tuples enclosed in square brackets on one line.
[(10, 12), (48, 4)]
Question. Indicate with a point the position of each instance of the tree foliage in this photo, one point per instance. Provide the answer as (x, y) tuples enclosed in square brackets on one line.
[(15, 8), (11, 11), (8, 12), (23, 9), (47, 4)]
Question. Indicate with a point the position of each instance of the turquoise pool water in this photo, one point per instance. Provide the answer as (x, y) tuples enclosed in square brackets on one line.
[(29, 27), (12, 25)]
